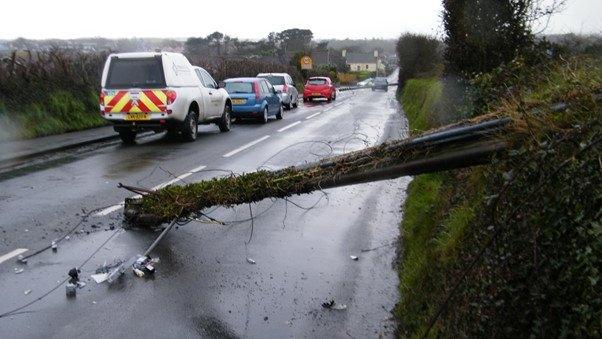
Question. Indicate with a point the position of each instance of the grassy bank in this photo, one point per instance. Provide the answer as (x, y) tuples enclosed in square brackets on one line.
[(60, 112), (51, 92), (419, 97), (527, 226)]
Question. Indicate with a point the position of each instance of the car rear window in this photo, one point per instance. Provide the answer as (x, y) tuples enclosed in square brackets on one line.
[(381, 80), (316, 81), (274, 79), (239, 87), (136, 73)]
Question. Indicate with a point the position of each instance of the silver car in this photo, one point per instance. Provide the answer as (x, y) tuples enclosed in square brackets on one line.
[(285, 86)]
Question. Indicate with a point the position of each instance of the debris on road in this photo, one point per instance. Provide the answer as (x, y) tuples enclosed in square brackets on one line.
[(27, 292), (19, 270), (100, 277), (251, 261), (143, 266), (354, 257), (109, 272), (332, 305), (70, 290), (74, 275), (21, 259)]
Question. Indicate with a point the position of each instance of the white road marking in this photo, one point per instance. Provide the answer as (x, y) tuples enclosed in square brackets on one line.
[(289, 126), (109, 210), (244, 147), (119, 206), (172, 181), (197, 169), (313, 115), (12, 254)]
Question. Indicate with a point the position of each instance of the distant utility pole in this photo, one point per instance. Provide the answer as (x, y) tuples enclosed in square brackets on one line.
[(376, 62)]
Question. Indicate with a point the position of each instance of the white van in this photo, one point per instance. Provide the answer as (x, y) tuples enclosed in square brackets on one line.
[(160, 91)]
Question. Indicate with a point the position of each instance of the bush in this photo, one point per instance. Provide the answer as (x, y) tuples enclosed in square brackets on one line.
[(420, 56), (482, 35), (348, 78), (530, 222), (224, 68)]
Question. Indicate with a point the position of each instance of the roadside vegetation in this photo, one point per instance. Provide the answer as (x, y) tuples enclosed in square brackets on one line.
[(48, 93), (56, 90), (512, 248)]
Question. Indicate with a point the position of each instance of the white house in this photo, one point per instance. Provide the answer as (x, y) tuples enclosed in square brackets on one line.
[(363, 62)]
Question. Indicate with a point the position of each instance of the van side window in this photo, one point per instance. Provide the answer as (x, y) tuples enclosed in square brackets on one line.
[(209, 82), (200, 76)]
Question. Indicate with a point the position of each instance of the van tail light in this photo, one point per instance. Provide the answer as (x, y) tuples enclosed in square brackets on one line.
[(171, 96), (256, 90), (101, 101)]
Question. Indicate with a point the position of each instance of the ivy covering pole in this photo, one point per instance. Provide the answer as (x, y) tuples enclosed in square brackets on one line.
[(455, 147)]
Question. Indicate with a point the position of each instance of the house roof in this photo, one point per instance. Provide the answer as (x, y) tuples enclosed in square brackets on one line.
[(360, 58)]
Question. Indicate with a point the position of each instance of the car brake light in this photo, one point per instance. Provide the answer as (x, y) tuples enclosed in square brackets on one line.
[(256, 90), (285, 88), (171, 96), (101, 98)]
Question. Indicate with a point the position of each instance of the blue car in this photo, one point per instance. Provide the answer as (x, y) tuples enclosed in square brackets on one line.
[(253, 98)]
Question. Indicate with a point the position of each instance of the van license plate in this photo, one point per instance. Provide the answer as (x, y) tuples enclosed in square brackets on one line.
[(137, 116)]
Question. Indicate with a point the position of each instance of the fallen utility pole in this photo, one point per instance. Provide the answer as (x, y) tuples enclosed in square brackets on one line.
[(455, 147)]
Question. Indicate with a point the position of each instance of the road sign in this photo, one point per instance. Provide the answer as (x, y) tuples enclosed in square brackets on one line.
[(306, 62)]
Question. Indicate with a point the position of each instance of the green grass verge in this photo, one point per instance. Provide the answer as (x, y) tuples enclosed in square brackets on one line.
[(61, 112), (418, 98)]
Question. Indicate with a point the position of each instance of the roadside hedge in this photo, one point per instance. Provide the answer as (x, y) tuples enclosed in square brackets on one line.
[(513, 249)]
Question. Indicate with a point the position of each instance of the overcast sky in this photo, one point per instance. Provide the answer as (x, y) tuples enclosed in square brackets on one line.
[(247, 19)]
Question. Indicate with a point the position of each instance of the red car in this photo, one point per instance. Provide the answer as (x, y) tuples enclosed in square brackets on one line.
[(319, 87)]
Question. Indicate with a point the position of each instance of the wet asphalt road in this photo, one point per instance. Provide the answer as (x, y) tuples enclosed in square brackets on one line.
[(204, 286)]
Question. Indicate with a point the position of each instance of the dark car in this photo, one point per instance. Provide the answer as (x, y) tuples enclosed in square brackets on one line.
[(380, 83), (253, 98)]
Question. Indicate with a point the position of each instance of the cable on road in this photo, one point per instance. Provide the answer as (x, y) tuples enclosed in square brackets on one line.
[(17, 310), (71, 231)]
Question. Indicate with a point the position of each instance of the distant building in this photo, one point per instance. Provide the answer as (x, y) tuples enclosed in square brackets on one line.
[(362, 62)]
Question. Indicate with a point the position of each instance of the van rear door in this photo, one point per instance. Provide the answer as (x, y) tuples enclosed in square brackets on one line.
[(135, 85)]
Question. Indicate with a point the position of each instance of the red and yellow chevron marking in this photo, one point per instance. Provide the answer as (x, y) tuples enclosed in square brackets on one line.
[(148, 101)]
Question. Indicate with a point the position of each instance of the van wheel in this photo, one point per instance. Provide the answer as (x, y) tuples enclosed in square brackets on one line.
[(190, 127), (127, 136), (225, 121), (264, 117), (279, 114)]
